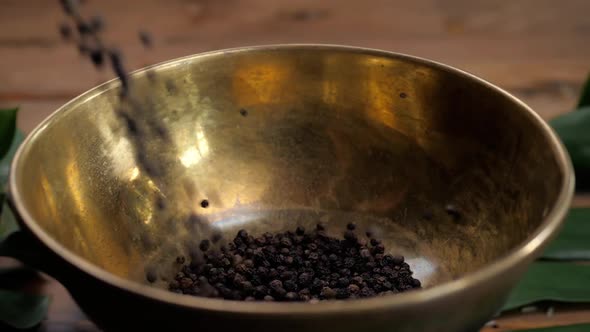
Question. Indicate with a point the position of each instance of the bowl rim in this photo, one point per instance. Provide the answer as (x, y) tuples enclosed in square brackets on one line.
[(524, 252)]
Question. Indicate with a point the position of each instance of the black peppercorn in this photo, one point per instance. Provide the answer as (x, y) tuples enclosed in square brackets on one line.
[(379, 249), (204, 245), (290, 285), (275, 284), (117, 65), (300, 231), (328, 293), (216, 237), (294, 266), (291, 296), (416, 283), (96, 23), (350, 236), (243, 234), (453, 212), (69, 6), (151, 276), (365, 253), (145, 38), (65, 31), (286, 242), (342, 293), (353, 289), (304, 278)]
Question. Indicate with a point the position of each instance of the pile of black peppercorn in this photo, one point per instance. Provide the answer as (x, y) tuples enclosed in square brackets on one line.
[(295, 266)]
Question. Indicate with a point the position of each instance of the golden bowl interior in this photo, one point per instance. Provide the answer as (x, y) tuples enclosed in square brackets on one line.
[(328, 134)]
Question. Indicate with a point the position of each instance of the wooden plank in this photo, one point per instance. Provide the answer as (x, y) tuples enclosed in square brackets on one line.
[(533, 48)]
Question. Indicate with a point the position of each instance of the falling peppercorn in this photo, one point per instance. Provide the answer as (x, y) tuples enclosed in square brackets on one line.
[(96, 56), (204, 245), (117, 64), (65, 31), (69, 6), (145, 38), (96, 23), (453, 212)]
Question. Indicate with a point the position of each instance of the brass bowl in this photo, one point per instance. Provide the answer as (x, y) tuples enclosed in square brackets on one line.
[(278, 136)]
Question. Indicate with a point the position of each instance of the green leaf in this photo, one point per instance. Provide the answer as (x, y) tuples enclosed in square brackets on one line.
[(22, 311), (585, 96), (550, 281), (574, 130), (5, 161), (565, 328), (17, 310), (8, 222), (573, 242), (7, 129)]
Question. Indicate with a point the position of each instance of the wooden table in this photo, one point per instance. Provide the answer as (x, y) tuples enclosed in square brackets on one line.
[(536, 49)]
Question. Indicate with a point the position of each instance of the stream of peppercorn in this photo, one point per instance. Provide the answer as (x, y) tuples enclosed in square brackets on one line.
[(299, 265)]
